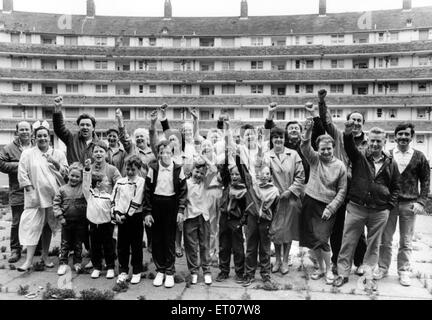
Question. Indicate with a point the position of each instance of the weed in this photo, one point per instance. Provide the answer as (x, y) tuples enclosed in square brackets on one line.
[(23, 290), (95, 294), (120, 287), (151, 276), (245, 296), (58, 294), (141, 298), (288, 286)]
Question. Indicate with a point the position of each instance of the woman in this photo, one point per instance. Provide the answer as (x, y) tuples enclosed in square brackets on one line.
[(288, 177), (40, 172), (325, 193)]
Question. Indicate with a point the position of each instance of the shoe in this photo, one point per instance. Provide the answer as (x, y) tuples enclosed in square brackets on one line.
[(95, 274), (404, 279), (194, 278), (78, 267), (169, 281), (359, 271), (110, 274), (329, 277), (239, 278), (158, 280), (340, 281), (89, 265), (267, 284), (284, 269), (290, 261), (379, 274), (15, 256), (208, 279), (317, 275), (62, 269), (222, 276), (47, 265), (20, 269), (136, 278), (248, 281), (122, 277), (276, 266)]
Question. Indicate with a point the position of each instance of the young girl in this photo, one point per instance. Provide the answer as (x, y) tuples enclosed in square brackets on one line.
[(99, 217), (127, 201), (69, 207)]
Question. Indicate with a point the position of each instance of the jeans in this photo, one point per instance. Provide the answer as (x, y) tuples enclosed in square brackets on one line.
[(407, 220), (129, 239), (72, 235), (257, 243), (231, 240), (14, 238), (356, 219), (197, 234)]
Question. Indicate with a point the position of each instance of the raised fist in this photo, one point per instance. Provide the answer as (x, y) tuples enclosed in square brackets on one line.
[(308, 125), (58, 102), (349, 126), (153, 116), (309, 106), (87, 163), (119, 113), (322, 94), (194, 112), (273, 105), (164, 106)]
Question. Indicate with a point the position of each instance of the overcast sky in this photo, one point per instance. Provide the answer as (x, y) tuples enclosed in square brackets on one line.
[(183, 8)]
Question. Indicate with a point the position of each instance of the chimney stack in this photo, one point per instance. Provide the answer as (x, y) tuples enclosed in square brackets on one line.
[(406, 5), (7, 6), (244, 9), (91, 9), (168, 10), (322, 7)]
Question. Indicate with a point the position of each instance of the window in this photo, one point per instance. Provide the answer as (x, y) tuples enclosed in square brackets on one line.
[(230, 112), (298, 113), (423, 61), (394, 61), (141, 88), (177, 66), (101, 41), (178, 113), (422, 87), (48, 39), (152, 66), (28, 38), (297, 88), (152, 88), (337, 64), (381, 37), (101, 88), (336, 88), (421, 113), (424, 34), (71, 64), (380, 62), (257, 41), (15, 38), (420, 138), (70, 41), (101, 65), (22, 63), (380, 88), (280, 115), (393, 87), (176, 89), (177, 42), (379, 113), (309, 64), (362, 90), (49, 64), (16, 87), (72, 113), (309, 39), (206, 42), (228, 65), (337, 38), (228, 42), (49, 89), (394, 36), (123, 90), (278, 90), (47, 113), (392, 113), (278, 65), (205, 115), (228, 89), (206, 91), (101, 113), (297, 64), (336, 113), (140, 42), (207, 66), (72, 88), (257, 65), (188, 88), (309, 88), (256, 113), (29, 87), (152, 42), (257, 89), (409, 22), (17, 112)]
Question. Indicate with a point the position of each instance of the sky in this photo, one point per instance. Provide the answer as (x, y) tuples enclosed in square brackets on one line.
[(185, 8)]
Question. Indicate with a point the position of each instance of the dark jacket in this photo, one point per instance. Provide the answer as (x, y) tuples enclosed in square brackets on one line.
[(9, 159), (180, 188), (77, 148), (378, 191), (418, 170), (70, 203), (117, 159)]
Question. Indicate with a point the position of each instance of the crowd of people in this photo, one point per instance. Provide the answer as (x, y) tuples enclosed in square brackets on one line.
[(234, 191)]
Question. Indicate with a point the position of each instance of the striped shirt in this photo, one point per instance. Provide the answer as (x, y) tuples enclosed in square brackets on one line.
[(98, 203), (128, 194)]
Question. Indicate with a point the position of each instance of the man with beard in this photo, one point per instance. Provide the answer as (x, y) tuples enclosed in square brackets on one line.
[(373, 192), (360, 141), (9, 159), (80, 144), (116, 153), (414, 169)]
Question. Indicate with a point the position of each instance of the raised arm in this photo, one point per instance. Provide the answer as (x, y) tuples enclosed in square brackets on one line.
[(196, 134), (125, 139), (325, 115), (60, 129), (269, 123), (87, 179), (164, 119), (305, 146), (154, 140), (350, 148)]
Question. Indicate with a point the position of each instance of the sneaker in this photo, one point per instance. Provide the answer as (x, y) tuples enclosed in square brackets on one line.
[(404, 279), (95, 274), (329, 277), (62, 269), (89, 265), (359, 271), (248, 280), (122, 277), (379, 274), (290, 261), (208, 278), (158, 280), (238, 278), (77, 267), (169, 281), (194, 278), (222, 276), (110, 274), (136, 278)]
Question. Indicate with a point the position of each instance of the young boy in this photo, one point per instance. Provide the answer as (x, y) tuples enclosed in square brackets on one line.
[(127, 201), (101, 166), (197, 219), (69, 206), (164, 203), (99, 217)]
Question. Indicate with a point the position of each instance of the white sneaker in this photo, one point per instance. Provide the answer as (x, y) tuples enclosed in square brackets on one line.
[(158, 280), (95, 274), (89, 265), (110, 274), (169, 281), (404, 279), (208, 279), (62, 269), (194, 279), (122, 277), (136, 278)]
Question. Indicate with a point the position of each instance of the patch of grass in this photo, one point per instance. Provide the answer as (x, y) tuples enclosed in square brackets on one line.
[(288, 286), (141, 298), (39, 266), (95, 294), (151, 276), (245, 296), (23, 290), (57, 294), (121, 287), (3, 248), (335, 290)]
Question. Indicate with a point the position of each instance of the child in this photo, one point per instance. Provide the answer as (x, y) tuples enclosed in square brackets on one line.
[(197, 220), (127, 201), (69, 207), (101, 166), (99, 217), (164, 203)]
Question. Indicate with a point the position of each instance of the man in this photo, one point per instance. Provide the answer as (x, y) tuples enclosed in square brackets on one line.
[(414, 169), (80, 144), (9, 159), (360, 141), (372, 194)]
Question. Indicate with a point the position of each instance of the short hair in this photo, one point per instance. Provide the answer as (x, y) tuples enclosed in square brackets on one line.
[(96, 178), (245, 127), (134, 161), (41, 128), (86, 116), (377, 130), (199, 165), (325, 138), (17, 125), (164, 143), (294, 122), (100, 144), (277, 132), (404, 126), (76, 166), (112, 130), (144, 131), (355, 111)]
